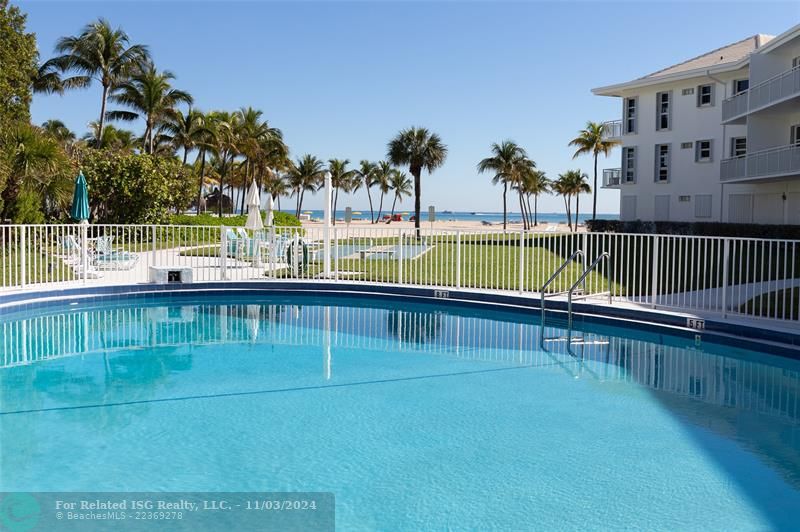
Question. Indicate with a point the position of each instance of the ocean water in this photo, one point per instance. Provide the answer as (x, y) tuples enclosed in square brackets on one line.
[(415, 417), (477, 216)]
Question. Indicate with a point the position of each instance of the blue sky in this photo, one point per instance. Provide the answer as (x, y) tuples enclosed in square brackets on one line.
[(341, 78)]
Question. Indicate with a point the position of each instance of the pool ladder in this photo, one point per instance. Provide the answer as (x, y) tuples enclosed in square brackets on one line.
[(581, 281)]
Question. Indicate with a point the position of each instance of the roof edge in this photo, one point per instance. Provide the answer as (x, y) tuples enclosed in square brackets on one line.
[(610, 90)]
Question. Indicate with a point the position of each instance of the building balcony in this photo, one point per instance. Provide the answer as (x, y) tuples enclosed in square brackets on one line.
[(612, 177), (780, 162), (612, 130), (781, 88)]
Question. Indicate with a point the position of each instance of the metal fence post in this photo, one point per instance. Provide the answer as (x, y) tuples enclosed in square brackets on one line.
[(153, 245), (521, 261), (654, 272), (23, 262), (399, 256), (458, 259), (725, 256), (223, 253)]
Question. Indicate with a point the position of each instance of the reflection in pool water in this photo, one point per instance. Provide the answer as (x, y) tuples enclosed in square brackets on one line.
[(501, 423)]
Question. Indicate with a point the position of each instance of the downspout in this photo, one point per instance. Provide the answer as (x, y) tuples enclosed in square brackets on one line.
[(724, 138)]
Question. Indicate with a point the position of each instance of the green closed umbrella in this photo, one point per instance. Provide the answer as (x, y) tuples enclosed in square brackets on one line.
[(80, 200)]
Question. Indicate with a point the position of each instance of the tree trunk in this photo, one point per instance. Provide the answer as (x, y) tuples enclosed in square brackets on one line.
[(221, 188), (594, 190), (102, 116), (150, 129), (577, 208), (185, 155), (569, 214), (335, 201), (417, 173), (530, 212), (202, 180), (505, 216), (371, 213), (380, 209), (535, 209), (394, 203), (522, 213), (297, 205)]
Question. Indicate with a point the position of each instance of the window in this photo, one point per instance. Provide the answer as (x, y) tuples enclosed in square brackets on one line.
[(629, 164), (702, 206), (740, 85), (663, 110), (705, 95), (794, 135), (738, 146), (662, 163), (687, 92), (630, 115), (702, 152), (684, 199), (796, 62), (686, 145)]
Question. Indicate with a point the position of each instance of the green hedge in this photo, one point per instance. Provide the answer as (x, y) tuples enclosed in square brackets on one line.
[(282, 219), (789, 232)]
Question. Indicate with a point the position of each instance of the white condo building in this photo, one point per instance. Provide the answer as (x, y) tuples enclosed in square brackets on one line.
[(715, 138)]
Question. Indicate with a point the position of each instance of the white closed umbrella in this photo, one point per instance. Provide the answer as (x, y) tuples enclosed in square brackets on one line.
[(270, 207), (254, 220)]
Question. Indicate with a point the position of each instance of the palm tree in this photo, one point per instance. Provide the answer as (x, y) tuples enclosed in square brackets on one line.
[(276, 186), (59, 131), (225, 146), (150, 95), (305, 175), (366, 173), (591, 141), (401, 185), (186, 129), (112, 138), (420, 150), (99, 53), (534, 183), (341, 179), (205, 142), (572, 183), (383, 177), (34, 159), (507, 162)]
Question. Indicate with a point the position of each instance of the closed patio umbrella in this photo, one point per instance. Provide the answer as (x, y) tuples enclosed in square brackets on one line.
[(80, 201), (270, 208), (254, 220)]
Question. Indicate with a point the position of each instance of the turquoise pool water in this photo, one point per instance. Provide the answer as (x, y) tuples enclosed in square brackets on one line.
[(415, 417)]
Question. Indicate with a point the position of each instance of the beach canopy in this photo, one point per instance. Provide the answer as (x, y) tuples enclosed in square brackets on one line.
[(80, 200), (253, 200), (270, 207)]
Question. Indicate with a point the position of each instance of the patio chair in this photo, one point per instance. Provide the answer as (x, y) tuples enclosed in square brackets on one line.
[(107, 258), (73, 258)]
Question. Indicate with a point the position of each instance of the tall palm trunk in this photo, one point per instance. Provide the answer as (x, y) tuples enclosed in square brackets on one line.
[(594, 190), (522, 213), (394, 203), (535, 209), (380, 209), (505, 210), (371, 213), (202, 179), (530, 212), (335, 201), (417, 173), (569, 214), (102, 121), (185, 155), (297, 205), (577, 208)]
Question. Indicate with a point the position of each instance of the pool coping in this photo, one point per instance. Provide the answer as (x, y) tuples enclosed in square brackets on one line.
[(754, 335)]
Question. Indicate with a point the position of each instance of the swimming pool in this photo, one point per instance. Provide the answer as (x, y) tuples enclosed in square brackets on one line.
[(415, 416)]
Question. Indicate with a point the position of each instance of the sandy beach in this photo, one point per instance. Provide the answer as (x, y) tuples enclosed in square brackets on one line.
[(464, 225)]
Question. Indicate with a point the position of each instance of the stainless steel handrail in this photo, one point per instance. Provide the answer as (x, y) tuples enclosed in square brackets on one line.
[(592, 266), (555, 274)]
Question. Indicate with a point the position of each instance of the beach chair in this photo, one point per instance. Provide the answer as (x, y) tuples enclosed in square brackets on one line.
[(72, 257), (107, 258)]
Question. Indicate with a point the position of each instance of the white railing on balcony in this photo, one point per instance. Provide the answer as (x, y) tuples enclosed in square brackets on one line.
[(773, 162), (773, 90), (612, 177), (751, 277), (612, 130)]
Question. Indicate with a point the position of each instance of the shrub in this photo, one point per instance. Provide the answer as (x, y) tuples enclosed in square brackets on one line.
[(789, 232), (129, 188), (282, 219)]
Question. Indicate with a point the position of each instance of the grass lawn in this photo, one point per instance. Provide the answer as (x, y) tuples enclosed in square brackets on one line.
[(784, 304)]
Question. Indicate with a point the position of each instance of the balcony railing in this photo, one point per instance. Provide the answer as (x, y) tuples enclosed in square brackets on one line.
[(612, 130), (612, 177), (774, 162), (778, 88)]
